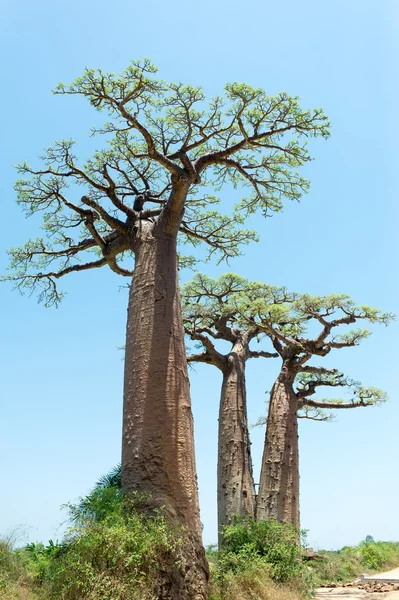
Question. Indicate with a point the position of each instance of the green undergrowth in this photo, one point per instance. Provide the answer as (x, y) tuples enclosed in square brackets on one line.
[(112, 551), (15, 581), (115, 550), (347, 564), (259, 560), (252, 583)]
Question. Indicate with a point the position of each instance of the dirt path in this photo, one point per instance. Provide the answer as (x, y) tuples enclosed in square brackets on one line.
[(354, 593)]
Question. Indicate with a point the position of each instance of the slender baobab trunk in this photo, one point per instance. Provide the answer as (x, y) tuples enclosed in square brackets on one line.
[(158, 440), (278, 497), (235, 481)]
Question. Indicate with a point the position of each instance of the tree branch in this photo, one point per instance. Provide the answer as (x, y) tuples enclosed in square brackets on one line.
[(214, 357), (314, 414), (112, 195), (336, 405), (318, 370), (262, 354), (215, 156), (171, 166), (109, 219), (203, 357)]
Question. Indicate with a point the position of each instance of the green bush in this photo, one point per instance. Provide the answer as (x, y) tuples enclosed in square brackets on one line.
[(379, 555), (14, 577), (348, 563), (267, 546), (337, 567), (112, 552), (253, 583)]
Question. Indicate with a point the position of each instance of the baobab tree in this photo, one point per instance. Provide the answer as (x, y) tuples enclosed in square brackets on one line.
[(165, 149), (208, 317), (287, 320)]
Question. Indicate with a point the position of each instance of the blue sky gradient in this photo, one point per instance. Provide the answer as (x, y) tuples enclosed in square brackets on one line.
[(61, 383)]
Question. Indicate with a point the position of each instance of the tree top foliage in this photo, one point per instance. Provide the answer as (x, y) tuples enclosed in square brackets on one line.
[(209, 305), (209, 314), (299, 326), (169, 147), (290, 318), (307, 383), (286, 317)]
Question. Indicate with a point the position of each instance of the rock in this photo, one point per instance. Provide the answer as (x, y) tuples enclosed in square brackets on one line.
[(387, 588)]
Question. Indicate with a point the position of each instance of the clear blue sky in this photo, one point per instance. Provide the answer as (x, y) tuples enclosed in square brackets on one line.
[(61, 381)]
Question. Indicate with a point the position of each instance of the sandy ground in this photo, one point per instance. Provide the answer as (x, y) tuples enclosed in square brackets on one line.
[(349, 593), (340, 593)]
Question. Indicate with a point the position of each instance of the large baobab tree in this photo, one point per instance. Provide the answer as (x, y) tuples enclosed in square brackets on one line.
[(300, 328), (165, 148), (208, 317)]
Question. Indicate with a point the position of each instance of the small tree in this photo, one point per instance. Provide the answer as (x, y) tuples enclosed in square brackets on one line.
[(287, 319), (166, 148), (208, 316)]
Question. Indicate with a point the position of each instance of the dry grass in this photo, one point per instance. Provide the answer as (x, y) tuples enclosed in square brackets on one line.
[(18, 592), (254, 584)]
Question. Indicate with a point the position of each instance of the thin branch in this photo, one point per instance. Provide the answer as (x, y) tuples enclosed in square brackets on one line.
[(111, 193), (110, 220), (313, 414), (152, 151), (215, 156)]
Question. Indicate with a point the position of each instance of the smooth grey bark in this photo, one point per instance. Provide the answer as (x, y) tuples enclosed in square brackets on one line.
[(235, 484), (158, 439), (278, 496)]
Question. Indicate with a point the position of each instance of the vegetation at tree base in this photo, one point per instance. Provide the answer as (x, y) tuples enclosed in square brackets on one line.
[(247, 542), (115, 550), (112, 551)]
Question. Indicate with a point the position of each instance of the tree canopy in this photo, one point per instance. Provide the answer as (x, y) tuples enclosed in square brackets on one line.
[(302, 326), (209, 314), (159, 135)]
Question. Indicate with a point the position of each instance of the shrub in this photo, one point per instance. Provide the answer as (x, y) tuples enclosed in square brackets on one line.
[(337, 567), (267, 547), (14, 578), (348, 563), (112, 552), (253, 583), (379, 555)]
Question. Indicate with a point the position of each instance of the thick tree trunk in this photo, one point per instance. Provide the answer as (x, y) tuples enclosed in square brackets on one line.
[(158, 439), (236, 490), (278, 497)]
